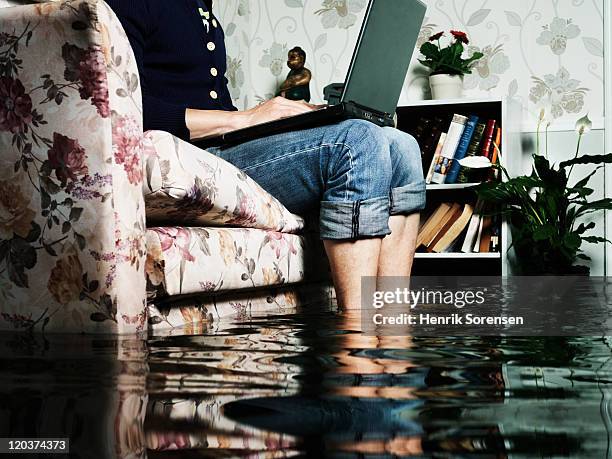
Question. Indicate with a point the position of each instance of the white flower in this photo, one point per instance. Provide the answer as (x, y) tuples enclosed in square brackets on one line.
[(486, 71), (275, 58), (557, 33), (584, 125), (340, 13)]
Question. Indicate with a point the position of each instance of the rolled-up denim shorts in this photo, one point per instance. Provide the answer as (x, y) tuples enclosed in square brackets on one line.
[(355, 173)]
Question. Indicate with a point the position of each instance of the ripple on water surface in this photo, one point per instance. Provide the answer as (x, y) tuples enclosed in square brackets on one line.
[(309, 384)]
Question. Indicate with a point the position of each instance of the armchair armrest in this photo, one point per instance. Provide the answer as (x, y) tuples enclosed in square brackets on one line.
[(72, 216)]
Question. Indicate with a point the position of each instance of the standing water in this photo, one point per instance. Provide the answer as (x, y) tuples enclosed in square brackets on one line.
[(308, 385)]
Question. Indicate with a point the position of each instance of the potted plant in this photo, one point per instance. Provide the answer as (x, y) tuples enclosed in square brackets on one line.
[(447, 64), (545, 210)]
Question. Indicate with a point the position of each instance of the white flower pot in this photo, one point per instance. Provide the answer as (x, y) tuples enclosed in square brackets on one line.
[(445, 86)]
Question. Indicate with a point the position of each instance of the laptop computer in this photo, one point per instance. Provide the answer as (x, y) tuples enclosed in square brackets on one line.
[(374, 80)]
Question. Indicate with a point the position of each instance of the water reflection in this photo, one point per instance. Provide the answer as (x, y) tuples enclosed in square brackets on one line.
[(309, 385), (91, 390)]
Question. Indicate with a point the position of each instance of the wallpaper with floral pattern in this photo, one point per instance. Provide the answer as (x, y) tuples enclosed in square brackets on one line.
[(545, 53)]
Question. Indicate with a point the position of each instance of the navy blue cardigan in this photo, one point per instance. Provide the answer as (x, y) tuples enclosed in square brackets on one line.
[(180, 53)]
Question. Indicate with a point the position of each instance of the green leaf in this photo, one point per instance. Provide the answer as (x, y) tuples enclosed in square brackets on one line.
[(544, 232), (602, 204), (572, 242), (584, 228), (550, 177), (588, 159), (430, 51), (595, 239), (582, 183)]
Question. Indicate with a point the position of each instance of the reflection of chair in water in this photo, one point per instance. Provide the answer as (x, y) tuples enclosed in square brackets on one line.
[(190, 386), (91, 391)]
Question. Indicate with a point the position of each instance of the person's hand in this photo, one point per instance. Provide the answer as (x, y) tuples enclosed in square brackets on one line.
[(277, 108)]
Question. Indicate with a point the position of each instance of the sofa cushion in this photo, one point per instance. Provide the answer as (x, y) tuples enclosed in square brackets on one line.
[(184, 261), (187, 186)]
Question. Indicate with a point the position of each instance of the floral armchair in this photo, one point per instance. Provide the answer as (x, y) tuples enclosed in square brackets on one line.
[(101, 223)]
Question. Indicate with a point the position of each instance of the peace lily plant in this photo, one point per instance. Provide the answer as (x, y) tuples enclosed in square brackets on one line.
[(546, 210)]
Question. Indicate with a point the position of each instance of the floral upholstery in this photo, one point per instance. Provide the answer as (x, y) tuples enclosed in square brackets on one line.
[(184, 261), (79, 181), (72, 216), (188, 186)]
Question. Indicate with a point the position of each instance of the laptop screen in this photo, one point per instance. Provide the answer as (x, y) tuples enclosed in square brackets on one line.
[(383, 53)]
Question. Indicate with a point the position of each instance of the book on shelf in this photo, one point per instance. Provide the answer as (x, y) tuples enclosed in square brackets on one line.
[(445, 160), (486, 234), (494, 173), (449, 220), (458, 227), (443, 230), (435, 157), (462, 149), (434, 223), (488, 138), (419, 132), (472, 230), (431, 139), (476, 246), (496, 235), (452, 233)]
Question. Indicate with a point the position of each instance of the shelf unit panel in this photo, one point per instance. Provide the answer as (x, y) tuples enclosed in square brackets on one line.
[(466, 256), (450, 186)]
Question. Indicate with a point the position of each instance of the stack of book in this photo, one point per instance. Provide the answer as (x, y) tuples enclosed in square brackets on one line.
[(455, 227), (442, 146)]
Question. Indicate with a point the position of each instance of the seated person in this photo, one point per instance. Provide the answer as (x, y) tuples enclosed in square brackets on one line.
[(366, 181)]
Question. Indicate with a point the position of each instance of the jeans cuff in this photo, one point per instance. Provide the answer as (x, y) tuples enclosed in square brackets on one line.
[(342, 220), (408, 199)]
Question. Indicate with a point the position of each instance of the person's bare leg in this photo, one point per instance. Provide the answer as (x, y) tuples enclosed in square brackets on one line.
[(397, 249), (349, 262)]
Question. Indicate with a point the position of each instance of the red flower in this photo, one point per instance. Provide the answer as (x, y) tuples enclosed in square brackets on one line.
[(67, 158), (460, 36), (15, 105), (436, 36), (92, 73)]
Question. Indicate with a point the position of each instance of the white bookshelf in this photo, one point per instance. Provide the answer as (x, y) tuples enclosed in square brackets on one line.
[(508, 117), (458, 256), (452, 186)]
